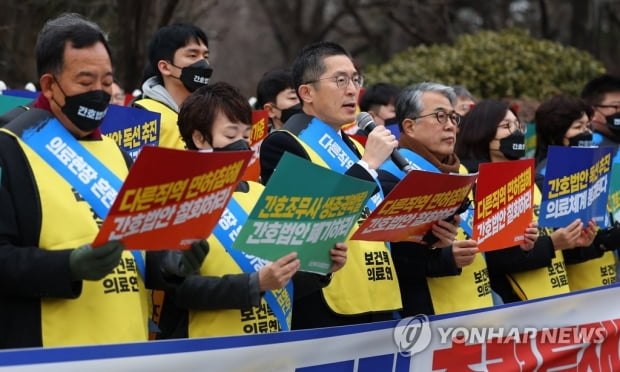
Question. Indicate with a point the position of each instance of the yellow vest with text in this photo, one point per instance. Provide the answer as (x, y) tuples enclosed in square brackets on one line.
[(209, 323), (468, 291), (592, 273), (110, 310), (368, 282), (544, 281), (169, 135)]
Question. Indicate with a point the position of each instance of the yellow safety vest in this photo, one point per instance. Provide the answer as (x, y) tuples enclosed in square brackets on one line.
[(468, 291), (110, 310), (209, 323), (592, 273), (169, 135), (368, 282), (545, 281)]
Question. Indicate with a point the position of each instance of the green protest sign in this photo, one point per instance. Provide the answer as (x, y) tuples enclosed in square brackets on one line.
[(9, 102), (306, 209)]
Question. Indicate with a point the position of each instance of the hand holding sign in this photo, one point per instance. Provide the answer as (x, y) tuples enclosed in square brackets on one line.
[(464, 252), (530, 237), (338, 255), (277, 274)]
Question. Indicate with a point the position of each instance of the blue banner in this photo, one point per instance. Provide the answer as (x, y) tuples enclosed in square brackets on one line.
[(131, 128), (503, 338), (20, 93), (576, 185)]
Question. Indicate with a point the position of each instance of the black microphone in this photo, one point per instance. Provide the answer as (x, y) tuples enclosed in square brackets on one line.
[(367, 124)]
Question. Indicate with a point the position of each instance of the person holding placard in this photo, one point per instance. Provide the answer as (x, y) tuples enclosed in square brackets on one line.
[(60, 176), (603, 94), (492, 132), (233, 293), (440, 277), (566, 121), (328, 85)]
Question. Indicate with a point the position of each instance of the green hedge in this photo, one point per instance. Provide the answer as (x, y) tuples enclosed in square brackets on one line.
[(490, 64)]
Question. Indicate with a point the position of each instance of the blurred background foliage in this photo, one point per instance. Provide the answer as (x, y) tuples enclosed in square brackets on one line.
[(471, 42), (509, 63)]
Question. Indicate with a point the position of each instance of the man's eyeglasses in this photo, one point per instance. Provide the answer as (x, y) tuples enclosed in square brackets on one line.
[(442, 117), (342, 81), (615, 107), (513, 125)]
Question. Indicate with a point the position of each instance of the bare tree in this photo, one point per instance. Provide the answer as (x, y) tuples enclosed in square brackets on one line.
[(135, 23), (249, 37)]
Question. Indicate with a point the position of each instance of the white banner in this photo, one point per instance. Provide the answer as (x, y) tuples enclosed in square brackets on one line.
[(574, 332)]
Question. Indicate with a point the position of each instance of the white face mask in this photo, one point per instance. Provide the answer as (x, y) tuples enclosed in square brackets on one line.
[(205, 150)]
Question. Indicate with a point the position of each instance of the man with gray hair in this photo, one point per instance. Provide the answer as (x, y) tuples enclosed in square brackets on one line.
[(429, 273), (464, 100)]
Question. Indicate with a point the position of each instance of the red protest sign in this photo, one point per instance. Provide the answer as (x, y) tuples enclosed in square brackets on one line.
[(260, 130), (503, 203), (417, 202), (172, 198)]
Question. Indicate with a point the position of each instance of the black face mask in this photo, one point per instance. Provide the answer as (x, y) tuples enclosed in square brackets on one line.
[(195, 75), (86, 110), (239, 145), (287, 113), (583, 139), (513, 146), (390, 120), (613, 123)]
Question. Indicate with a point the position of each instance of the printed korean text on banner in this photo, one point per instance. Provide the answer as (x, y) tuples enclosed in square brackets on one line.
[(260, 130), (503, 338), (299, 214), (417, 202), (503, 203), (576, 185), (131, 128), (172, 198)]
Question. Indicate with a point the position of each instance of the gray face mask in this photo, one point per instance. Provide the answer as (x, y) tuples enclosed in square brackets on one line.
[(513, 146)]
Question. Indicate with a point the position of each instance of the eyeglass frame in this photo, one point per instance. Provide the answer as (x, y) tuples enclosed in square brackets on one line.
[(615, 107), (346, 82), (521, 126), (451, 116)]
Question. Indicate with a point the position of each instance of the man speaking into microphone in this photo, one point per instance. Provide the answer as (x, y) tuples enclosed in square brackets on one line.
[(366, 123), (328, 86)]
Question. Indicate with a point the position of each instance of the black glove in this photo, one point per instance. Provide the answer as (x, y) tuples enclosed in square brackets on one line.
[(183, 263), (88, 263), (609, 238)]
